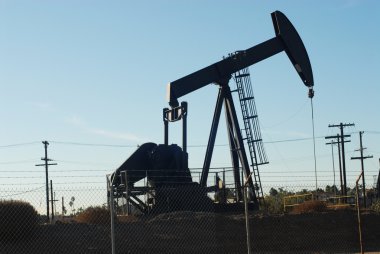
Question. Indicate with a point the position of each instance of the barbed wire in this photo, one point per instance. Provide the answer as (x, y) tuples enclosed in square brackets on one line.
[(20, 193), (137, 145), (349, 152), (166, 173)]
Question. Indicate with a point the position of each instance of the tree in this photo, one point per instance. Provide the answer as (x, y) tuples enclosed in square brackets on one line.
[(331, 189), (80, 210), (71, 204), (274, 201), (273, 192), (319, 190)]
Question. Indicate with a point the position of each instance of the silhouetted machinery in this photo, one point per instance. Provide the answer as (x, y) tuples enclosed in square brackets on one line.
[(166, 166)]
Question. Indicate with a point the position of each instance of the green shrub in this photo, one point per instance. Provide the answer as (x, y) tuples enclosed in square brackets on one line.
[(274, 204), (18, 220), (94, 215)]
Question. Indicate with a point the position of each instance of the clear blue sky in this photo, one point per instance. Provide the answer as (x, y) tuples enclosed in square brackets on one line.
[(95, 72)]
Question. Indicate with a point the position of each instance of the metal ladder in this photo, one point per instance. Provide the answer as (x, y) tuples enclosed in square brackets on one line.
[(251, 127)]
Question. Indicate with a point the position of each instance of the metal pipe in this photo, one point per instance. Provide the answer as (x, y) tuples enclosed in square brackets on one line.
[(184, 126), (224, 186), (166, 126)]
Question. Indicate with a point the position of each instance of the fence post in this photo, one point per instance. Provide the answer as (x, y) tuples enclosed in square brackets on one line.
[(358, 209), (126, 192), (111, 206), (245, 193)]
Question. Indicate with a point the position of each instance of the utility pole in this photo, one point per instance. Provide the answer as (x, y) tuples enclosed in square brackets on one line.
[(333, 164), (343, 183), (52, 200), (362, 158), (341, 127), (340, 169), (46, 164), (63, 208)]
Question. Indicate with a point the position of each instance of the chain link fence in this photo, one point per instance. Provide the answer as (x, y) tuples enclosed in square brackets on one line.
[(185, 218)]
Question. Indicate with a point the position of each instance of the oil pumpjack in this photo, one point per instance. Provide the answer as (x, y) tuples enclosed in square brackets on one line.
[(166, 166)]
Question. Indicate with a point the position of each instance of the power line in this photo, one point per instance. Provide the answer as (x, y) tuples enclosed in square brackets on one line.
[(18, 184), (59, 183), (88, 176), (19, 144), (292, 140), (15, 162), (269, 142), (82, 189), (298, 172), (54, 171), (109, 163), (288, 118), (132, 146), (90, 144), (19, 177), (83, 162), (42, 177), (373, 132), (79, 183)]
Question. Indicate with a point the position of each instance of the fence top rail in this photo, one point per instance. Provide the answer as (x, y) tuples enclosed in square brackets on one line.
[(298, 195), (338, 197)]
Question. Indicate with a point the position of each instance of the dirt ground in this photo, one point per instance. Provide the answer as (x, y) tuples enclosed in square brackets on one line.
[(192, 232)]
